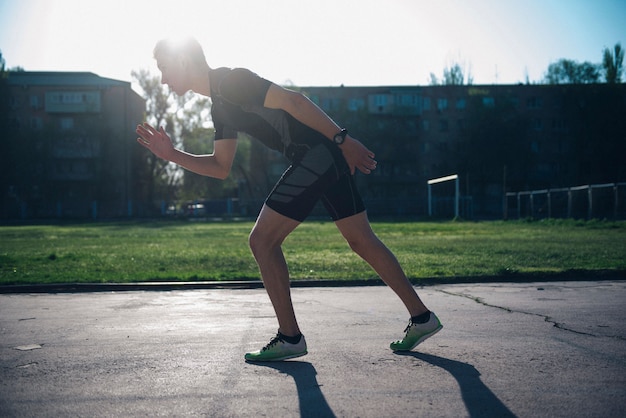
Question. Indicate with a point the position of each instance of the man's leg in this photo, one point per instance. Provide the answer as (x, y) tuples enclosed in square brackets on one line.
[(266, 238), (357, 231), (423, 324)]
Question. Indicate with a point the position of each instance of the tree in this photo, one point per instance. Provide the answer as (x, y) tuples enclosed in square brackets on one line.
[(454, 75), (195, 186), (612, 64), (566, 71), (187, 122), (159, 178)]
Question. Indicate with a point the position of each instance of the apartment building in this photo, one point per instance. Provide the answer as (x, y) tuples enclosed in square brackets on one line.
[(71, 146), (497, 138)]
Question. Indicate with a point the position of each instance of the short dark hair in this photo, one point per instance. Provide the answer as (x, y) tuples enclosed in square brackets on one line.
[(188, 47)]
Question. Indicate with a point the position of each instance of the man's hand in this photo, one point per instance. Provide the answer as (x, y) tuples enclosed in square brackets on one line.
[(156, 141), (358, 156)]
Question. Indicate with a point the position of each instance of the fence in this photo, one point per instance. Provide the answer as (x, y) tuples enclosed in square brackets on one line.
[(600, 201)]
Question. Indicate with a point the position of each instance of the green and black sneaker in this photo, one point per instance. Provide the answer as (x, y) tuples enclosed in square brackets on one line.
[(278, 349), (417, 333)]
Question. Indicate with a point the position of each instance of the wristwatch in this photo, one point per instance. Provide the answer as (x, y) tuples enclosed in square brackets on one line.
[(340, 136)]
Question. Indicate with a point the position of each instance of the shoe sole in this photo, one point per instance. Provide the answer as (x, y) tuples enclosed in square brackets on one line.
[(290, 356), (421, 340)]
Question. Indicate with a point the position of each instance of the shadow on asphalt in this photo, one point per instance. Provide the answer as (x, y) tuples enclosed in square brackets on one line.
[(479, 400), (312, 400)]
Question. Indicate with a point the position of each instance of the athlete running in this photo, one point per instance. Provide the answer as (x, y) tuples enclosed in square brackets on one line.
[(324, 158)]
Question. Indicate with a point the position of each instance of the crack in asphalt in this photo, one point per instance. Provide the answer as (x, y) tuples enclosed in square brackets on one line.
[(546, 318)]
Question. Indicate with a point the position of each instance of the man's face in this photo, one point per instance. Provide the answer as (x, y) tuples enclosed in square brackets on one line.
[(173, 73)]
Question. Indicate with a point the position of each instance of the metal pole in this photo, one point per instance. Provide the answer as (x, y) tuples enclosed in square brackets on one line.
[(615, 201), (430, 205), (569, 203), (590, 206), (506, 207), (456, 198), (549, 205)]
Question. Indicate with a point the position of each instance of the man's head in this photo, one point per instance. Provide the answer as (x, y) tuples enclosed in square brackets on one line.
[(179, 61)]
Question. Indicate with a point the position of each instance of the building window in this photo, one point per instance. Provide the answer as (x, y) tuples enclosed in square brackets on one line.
[(331, 104), (514, 101), (408, 100), (460, 103), (489, 101), (36, 123), (425, 125), (537, 124), (442, 104), (558, 103), (559, 125), (34, 102), (72, 101), (380, 100), (66, 97), (534, 147), (426, 103), (534, 103), (355, 104), (443, 125), (67, 124)]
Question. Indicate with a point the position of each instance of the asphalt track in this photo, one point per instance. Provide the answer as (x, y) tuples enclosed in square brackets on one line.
[(555, 349)]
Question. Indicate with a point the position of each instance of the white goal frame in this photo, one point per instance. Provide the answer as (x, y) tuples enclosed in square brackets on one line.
[(454, 177)]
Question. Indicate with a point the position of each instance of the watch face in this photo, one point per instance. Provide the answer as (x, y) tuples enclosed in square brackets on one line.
[(338, 139)]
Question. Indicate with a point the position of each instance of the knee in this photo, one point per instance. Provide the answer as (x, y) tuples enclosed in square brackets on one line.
[(260, 242), (255, 241), (360, 244), (355, 244)]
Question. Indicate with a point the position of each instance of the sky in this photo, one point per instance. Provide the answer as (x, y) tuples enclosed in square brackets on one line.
[(317, 42)]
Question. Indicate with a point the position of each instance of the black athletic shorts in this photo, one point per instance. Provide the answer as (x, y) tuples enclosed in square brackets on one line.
[(317, 172)]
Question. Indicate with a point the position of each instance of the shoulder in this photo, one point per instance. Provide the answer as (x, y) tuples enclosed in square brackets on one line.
[(238, 77), (240, 85)]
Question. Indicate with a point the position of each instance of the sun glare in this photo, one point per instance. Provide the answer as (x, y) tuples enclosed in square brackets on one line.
[(390, 42)]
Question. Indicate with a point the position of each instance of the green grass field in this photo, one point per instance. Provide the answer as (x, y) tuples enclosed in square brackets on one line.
[(192, 251)]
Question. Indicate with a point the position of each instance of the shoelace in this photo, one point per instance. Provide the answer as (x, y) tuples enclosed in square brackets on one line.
[(272, 343), (408, 327)]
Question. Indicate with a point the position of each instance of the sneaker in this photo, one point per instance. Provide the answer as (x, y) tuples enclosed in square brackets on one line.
[(277, 350), (417, 333)]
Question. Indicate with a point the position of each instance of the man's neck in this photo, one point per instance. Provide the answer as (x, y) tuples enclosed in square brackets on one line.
[(201, 82)]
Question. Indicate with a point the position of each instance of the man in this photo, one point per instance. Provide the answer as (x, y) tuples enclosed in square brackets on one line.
[(324, 158)]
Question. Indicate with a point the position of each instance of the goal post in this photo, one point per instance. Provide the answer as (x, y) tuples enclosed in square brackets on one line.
[(454, 177)]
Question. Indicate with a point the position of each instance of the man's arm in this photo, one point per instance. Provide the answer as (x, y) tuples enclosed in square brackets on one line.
[(304, 110), (215, 165)]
